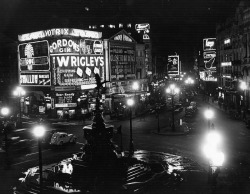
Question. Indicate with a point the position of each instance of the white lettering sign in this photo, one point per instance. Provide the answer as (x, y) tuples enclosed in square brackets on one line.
[(60, 32)]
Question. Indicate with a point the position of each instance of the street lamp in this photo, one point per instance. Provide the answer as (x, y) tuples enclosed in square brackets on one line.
[(130, 103), (172, 90), (39, 132), (5, 111), (212, 150), (19, 92), (189, 81), (209, 114)]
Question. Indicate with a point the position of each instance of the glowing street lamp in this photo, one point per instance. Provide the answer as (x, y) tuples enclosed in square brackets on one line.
[(173, 90), (19, 92), (212, 151), (209, 114), (39, 132), (130, 103), (5, 111), (189, 81)]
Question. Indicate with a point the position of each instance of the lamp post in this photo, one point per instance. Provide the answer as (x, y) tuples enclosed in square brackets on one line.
[(130, 103), (209, 114), (39, 132), (19, 92), (5, 111), (189, 81), (212, 149), (135, 87), (173, 90)]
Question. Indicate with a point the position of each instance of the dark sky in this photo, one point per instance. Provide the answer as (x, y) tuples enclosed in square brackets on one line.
[(176, 25)]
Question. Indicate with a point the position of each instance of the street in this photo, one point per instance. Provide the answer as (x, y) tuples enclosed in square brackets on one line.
[(235, 171)]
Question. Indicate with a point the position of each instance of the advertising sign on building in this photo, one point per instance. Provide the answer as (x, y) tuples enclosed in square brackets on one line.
[(34, 56), (76, 61), (58, 32), (209, 44), (122, 61), (35, 79), (209, 53), (173, 65)]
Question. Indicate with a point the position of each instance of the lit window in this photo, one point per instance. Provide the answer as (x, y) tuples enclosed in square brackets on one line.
[(129, 25), (101, 26), (120, 25)]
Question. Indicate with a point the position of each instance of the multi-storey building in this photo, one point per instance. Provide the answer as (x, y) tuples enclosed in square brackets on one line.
[(233, 57), (57, 66)]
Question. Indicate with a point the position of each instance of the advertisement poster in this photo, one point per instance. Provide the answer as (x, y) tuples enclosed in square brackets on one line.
[(75, 61), (173, 65), (34, 56), (35, 79), (209, 44), (122, 61)]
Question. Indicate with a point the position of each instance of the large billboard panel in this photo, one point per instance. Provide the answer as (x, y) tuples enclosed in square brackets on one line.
[(35, 79), (34, 56), (122, 59), (209, 44), (173, 65)]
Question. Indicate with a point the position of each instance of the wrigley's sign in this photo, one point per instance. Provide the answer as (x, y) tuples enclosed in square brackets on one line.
[(56, 32)]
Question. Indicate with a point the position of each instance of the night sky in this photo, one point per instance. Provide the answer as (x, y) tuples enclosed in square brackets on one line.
[(176, 25)]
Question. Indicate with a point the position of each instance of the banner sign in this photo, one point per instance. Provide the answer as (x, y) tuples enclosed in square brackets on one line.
[(35, 79), (58, 32), (173, 65), (33, 56)]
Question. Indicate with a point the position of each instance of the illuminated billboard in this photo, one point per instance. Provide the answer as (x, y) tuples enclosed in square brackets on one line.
[(59, 32), (76, 61), (34, 56), (35, 79), (173, 65), (209, 44)]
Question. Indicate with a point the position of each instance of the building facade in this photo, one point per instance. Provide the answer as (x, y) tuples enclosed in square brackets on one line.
[(57, 66), (233, 57)]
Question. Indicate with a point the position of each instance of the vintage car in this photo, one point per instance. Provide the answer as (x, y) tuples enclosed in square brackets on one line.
[(60, 138)]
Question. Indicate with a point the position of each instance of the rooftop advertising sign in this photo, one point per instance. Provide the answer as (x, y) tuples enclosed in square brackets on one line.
[(34, 56), (209, 44), (173, 65), (58, 32)]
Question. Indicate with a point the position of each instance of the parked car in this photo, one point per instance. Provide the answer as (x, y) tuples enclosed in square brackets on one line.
[(60, 138), (48, 135)]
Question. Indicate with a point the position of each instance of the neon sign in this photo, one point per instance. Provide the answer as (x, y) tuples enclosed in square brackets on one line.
[(173, 65), (209, 44), (35, 79), (60, 32), (34, 56)]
